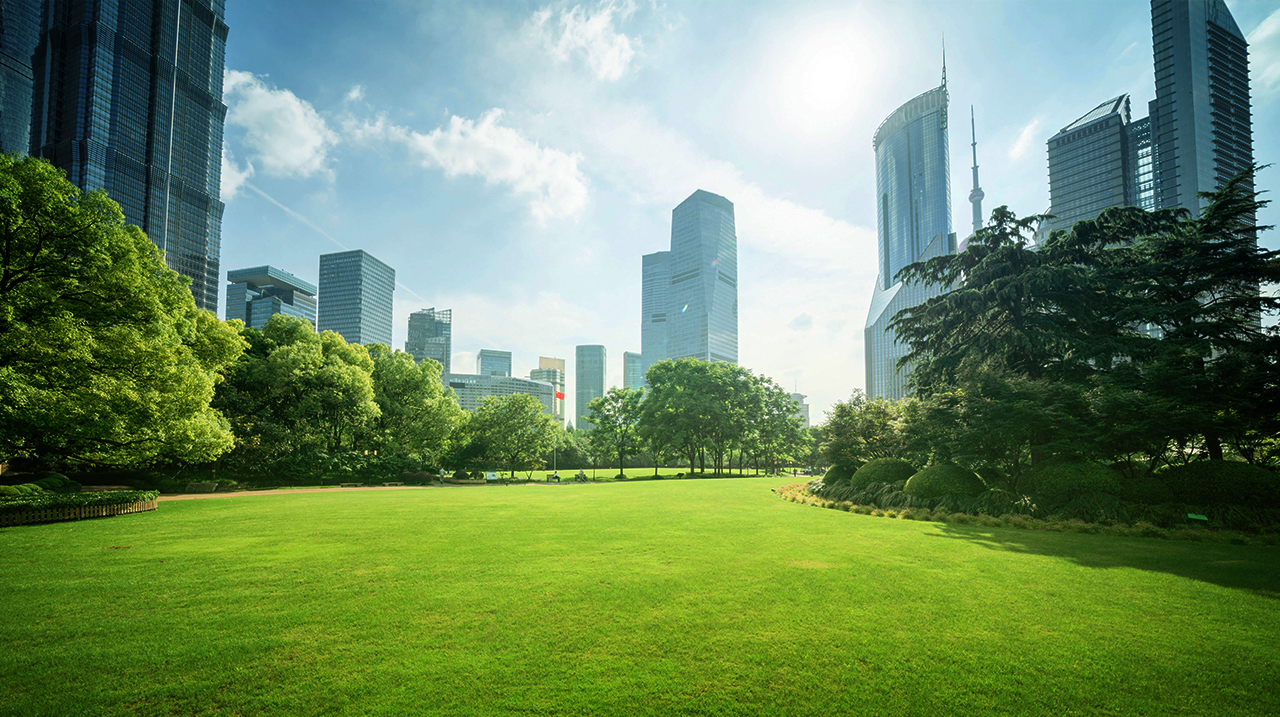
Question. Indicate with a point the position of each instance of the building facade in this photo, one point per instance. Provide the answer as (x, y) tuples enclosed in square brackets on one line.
[(1201, 120), (255, 295), (471, 389), (19, 33), (128, 98), (356, 293), (552, 371), (431, 337), (491, 362), (590, 374), (1089, 164), (654, 307), (632, 370), (913, 217), (702, 315), (802, 408)]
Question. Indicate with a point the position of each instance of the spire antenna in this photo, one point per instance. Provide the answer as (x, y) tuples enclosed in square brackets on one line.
[(976, 196)]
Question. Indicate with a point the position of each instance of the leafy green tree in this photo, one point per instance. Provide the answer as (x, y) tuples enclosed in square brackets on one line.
[(515, 430), (776, 432), (615, 416), (416, 415), (104, 358), (859, 430)]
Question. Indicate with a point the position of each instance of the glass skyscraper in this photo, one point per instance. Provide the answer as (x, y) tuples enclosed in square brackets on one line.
[(19, 33), (255, 295), (490, 362), (431, 336), (590, 378), (632, 375), (655, 288), (913, 217), (1089, 164), (356, 293), (128, 98), (1200, 118)]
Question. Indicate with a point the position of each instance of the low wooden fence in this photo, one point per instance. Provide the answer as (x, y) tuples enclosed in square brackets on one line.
[(53, 515)]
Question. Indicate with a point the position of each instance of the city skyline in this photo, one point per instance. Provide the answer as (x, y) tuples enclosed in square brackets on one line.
[(550, 256)]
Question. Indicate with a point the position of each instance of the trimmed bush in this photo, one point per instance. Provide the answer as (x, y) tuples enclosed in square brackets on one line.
[(1206, 483), (76, 500), (838, 475), (883, 470), (8, 491), (1145, 488), (1060, 481), (944, 479)]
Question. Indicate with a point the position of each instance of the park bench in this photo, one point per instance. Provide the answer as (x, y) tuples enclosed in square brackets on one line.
[(350, 485), (393, 483)]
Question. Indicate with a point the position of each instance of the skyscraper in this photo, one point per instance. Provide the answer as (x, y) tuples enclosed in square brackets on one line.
[(356, 292), (490, 362), (654, 306), (19, 33), (802, 408), (551, 370), (976, 195), (913, 219), (1089, 164), (590, 379), (128, 98), (1200, 119), (471, 389), (255, 295), (431, 337), (632, 375)]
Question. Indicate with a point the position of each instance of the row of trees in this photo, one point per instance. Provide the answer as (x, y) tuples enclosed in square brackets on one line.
[(1137, 338)]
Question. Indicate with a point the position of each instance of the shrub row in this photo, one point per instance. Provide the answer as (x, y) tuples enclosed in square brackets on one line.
[(24, 503)]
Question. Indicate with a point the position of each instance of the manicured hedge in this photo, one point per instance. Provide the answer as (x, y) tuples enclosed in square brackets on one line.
[(944, 479), (1206, 483), (883, 470), (1060, 481), (838, 475), (75, 500)]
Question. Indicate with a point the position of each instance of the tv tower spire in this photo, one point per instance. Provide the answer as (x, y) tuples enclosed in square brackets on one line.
[(976, 196)]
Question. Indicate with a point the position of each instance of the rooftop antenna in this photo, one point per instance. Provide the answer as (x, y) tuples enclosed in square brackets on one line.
[(976, 196)]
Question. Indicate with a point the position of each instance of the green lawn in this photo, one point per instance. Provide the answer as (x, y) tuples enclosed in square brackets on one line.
[(661, 597)]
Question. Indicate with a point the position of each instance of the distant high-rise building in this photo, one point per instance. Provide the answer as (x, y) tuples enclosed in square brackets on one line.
[(431, 336), (255, 295), (913, 187), (654, 307), (702, 314), (19, 33), (128, 98), (976, 195), (490, 362), (471, 389), (590, 380), (1089, 164), (356, 293), (1200, 119), (802, 408), (632, 375), (552, 371)]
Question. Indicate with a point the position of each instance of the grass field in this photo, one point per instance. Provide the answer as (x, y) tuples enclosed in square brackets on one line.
[(662, 597)]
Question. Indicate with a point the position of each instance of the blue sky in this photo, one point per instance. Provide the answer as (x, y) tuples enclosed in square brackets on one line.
[(513, 161)]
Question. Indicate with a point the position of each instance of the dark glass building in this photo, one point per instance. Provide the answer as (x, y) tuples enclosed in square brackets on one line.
[(19, 33), (1089, 164), (128, 98), (491, 362), (590, 378), (913, 187), (356, 295), (1200, 120), (255, 295), (431, 336)]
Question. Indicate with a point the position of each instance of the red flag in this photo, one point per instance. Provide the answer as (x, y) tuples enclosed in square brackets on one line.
[(560, 395)]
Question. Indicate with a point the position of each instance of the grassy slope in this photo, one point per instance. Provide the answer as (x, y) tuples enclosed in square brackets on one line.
[(696, 597)]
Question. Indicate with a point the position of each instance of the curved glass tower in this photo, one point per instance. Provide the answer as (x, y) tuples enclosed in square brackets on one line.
[(913, 211)]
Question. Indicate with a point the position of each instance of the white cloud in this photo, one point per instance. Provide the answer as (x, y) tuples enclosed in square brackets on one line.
[(587, 32), (232, 176), (284, 136), (1264, 55), (552, 180), (1024, 140), (356, 93)]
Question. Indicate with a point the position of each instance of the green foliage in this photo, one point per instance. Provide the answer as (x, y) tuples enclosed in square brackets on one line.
[(614, 417), (9, 491), (515, 432), (1205, 483), (944, 479), (1145, 488), (1061, 480), (74, 500), (838, 474), (104, 357), (883, 470), (416, 413), (859, 430)]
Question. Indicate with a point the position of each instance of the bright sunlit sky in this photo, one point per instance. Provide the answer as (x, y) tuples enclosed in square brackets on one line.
[(513, 161)]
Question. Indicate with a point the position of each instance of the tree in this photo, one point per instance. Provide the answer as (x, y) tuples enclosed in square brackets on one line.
[(515, 430), (859, 430), (416, 416), (615, 416), (104, 358)]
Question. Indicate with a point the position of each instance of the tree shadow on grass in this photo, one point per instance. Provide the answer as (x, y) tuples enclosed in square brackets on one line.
[(1255, 568)]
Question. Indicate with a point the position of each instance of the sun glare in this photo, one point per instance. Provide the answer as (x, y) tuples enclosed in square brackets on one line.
[(821, 79)]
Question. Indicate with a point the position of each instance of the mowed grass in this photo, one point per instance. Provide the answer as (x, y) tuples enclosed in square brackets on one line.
[(662, 597)]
